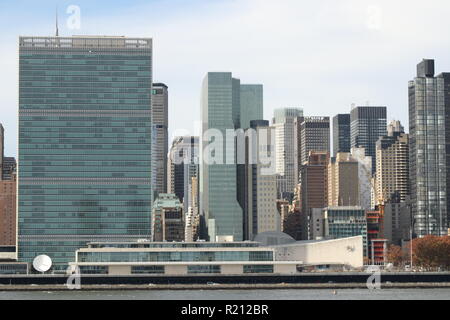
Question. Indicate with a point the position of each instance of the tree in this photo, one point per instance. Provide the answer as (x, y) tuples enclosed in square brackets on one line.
[(432, 252), (395, 255)]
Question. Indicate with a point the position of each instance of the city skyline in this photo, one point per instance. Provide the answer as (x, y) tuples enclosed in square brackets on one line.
[(376, 77)]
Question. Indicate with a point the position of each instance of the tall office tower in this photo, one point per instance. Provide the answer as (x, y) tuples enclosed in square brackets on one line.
[(222, 216), (251, 104), (392, 160), (183, 165), (429, 129), (84, 143), (365, 182), (160, 135), (367, 125), (341, 133), (314, 136), (314, 187), (259, 194), (343, 186), (167, 219), (286, 149)]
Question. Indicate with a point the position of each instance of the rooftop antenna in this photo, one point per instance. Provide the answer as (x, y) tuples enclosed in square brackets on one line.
[(57, 31)]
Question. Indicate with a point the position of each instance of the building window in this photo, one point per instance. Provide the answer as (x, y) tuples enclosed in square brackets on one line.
[(147, 270), (204, 269), (258, 268), (93, 269)]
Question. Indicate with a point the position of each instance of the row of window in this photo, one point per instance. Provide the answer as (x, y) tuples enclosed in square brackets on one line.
[(195, 269)]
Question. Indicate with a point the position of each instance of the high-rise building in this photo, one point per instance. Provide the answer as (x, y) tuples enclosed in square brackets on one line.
[(251, 104), (287, 149), (313, 187), (160, 135), (183, 165), (259, 189), (85, 143), (341, 133), (192, 223), (7, 198), (343, 176), (392, 161), (8, 212), (314, 136), (429, 107), (167, 219), (222, 216), (367, 125)]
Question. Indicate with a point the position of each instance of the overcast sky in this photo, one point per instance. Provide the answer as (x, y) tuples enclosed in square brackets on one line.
[(321, 55)]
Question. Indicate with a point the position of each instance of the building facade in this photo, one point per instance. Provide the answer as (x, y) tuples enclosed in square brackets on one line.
[(287, 143), (367, 125), (429, 156), (219, 258), (168, 220), (8, 192), (344, 222), (160, 135), (259, 199), (8, 213), (183, 166), (341, 133), (392, 161), (220, 211), (252, 106), (314, 136), (85, 143), (313, 187), (343, 177)]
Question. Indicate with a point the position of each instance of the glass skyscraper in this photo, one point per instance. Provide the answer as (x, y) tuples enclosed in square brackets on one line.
[(221, 213), (367, 125), (341, 133), (429, 105), (84, 143), (251, 104), (160, 118)]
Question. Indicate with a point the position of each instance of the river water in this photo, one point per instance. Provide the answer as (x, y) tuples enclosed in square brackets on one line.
[(276, 294)]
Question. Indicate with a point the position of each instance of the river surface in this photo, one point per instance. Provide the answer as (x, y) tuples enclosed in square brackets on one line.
[(276, 294)]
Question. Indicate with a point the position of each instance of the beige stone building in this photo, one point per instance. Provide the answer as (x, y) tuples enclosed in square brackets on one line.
[(392, 163), (343, 186)]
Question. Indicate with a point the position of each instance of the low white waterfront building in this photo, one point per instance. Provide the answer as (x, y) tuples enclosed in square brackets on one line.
[(225, 258)]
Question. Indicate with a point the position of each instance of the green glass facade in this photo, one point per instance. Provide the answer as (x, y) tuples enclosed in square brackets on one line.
[(251, 104), (220, 209), (84, 143), (346, 222)]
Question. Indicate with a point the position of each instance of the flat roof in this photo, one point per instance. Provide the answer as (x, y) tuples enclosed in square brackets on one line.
[(100, 42)]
